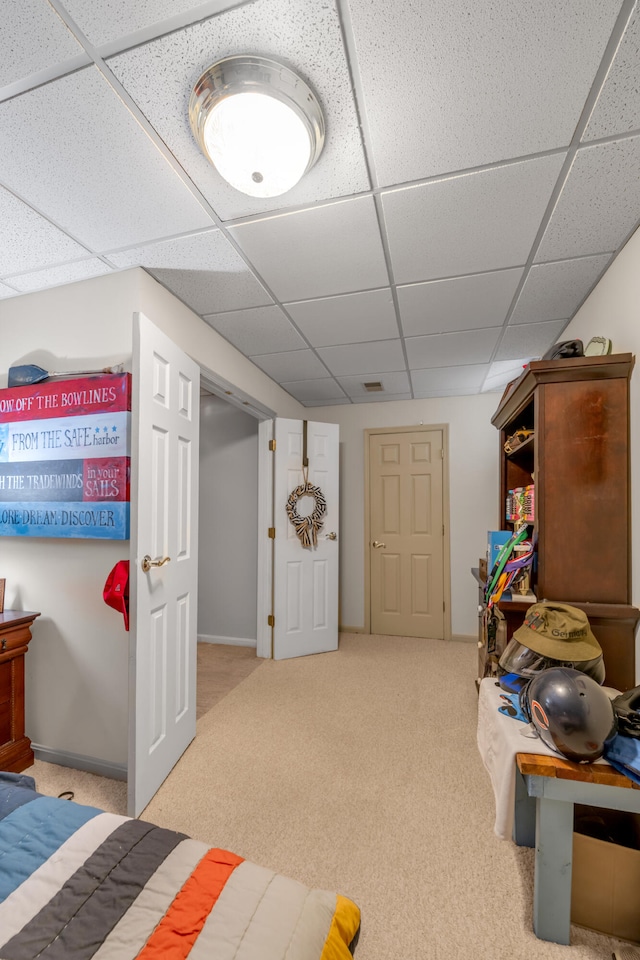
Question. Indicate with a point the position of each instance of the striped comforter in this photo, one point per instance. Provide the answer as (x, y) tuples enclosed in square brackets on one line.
[(77, 883)]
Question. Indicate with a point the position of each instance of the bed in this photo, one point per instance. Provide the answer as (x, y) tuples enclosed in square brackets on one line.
[(78, 883)]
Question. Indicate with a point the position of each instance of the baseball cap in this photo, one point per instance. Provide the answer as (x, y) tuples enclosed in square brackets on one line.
[(558, 630), (116, 590)]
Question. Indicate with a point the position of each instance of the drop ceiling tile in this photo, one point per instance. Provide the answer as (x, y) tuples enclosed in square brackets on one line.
[(315, 391), (530, 340), (6, 292), (307, 36), (392, 383), (448, 381), (257, 331), (364, 358), (291, 365), (470, 223), (502, 372), (73, 150), (204, 270), (102, 22), (28, 241), (617, 109), (66, 273), (463, 303), (474, 83), (381, 397), (323, 403), (554, 291), (33, 38), (599, 203), (451, 349), (317, 252), (352, 318)]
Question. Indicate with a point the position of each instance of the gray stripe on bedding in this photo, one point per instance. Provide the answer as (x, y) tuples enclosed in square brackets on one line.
[(225, 926), (274, 921), (79, 917), (313, 926), (30, 897), (261, 914), (134, 929)]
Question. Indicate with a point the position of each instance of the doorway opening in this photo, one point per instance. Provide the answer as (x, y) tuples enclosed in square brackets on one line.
[(228, 516)]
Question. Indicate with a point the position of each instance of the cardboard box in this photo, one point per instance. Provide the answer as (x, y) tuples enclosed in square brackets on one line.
[(605, 887)]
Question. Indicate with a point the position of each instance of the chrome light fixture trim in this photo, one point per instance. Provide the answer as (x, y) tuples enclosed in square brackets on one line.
[(276, 95)]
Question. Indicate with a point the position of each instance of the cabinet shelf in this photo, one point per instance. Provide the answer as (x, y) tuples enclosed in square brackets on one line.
[(524, 450)]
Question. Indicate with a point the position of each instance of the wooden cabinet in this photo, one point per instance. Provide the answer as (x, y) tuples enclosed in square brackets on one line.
[(15, 633), (578, 461)]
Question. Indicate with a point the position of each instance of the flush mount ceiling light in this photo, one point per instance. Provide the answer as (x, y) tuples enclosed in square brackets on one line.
[(258, 123)]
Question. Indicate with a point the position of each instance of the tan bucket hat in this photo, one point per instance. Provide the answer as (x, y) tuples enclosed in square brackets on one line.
[(559, 631)]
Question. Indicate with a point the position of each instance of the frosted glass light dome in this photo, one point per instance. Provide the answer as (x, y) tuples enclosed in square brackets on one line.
[(258, 123)]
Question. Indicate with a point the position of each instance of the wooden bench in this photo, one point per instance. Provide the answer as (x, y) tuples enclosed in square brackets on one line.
[(546, 790)]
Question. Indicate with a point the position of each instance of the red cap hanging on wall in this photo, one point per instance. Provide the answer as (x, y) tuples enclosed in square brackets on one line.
[(116, 590)]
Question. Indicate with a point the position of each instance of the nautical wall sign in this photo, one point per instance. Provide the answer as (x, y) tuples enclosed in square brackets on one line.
[(65, 458)]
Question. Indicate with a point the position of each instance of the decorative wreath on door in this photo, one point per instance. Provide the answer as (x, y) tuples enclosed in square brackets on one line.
[(307, 527)]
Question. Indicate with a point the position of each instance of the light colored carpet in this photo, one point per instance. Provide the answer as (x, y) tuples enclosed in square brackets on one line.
[(221, 667), (358, 771)]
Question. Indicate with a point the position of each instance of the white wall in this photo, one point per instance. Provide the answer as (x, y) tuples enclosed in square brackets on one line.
[(76, 668), (228, 524), (613, 310), (473, 484)]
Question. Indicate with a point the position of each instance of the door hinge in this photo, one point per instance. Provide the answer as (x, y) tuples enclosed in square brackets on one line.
[(272, 533), (271, 620), (443, 529), (442, 453), (444, 606), (272, 445)]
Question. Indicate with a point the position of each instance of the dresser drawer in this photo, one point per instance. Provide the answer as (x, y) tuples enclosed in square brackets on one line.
[(11, 639)]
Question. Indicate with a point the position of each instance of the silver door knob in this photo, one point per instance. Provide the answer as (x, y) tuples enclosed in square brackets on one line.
[(147, 562), (332, 536), (377, 543)]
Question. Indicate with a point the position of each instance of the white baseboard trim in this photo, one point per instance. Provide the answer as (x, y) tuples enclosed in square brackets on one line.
[(464, 637), (344, 629), (104, 768), (231, 641)]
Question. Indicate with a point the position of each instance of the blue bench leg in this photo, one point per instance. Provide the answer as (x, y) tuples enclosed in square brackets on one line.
[(524, 820), (552, 883)]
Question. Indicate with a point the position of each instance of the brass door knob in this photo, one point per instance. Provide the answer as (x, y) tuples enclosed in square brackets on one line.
[(377, 544), (332, 536), (147, 562)]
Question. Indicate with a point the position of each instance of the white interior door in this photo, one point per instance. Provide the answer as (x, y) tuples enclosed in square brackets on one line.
[(305, 579), (163, 600)]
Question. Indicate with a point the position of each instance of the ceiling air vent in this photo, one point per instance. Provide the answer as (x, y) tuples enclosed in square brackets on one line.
[(373, 387)]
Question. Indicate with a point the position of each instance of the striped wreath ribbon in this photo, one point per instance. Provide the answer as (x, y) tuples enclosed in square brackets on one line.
[(307, 527)]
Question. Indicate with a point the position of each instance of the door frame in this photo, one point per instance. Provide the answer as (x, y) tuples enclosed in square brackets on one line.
[(446, 543)]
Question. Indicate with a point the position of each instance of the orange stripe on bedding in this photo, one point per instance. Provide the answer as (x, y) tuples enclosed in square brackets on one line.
[(179, 928)]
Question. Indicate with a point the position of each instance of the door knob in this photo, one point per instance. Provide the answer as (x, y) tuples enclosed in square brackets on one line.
[(377, 543), (332, 536), (147, 562)]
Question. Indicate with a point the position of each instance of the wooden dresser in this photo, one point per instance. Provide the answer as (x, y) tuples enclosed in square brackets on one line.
[(577, 458), (15, 633)]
